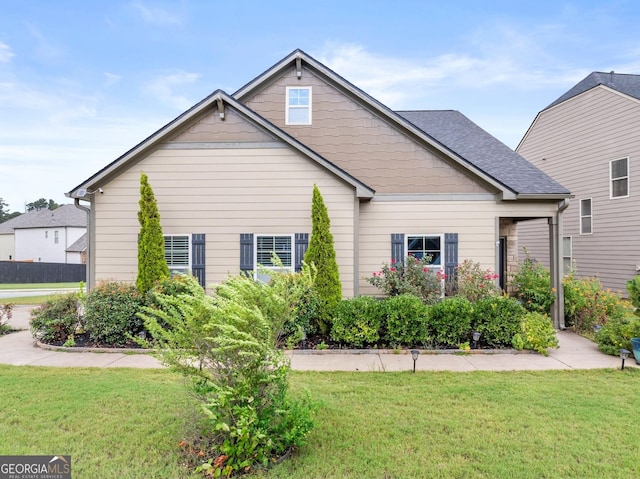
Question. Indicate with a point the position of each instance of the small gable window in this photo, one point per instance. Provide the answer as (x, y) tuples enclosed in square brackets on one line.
[(619, 171), (298, 106)]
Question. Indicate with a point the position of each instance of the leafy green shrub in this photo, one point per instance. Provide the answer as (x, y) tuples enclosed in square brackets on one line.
[(616, 334), (56, 319), (498, 320), (532, 284), (475, 283), (413, 276), (536, 333), (450, 321), (586, 303), (405, 320), (357, 321), (111, 312), (6, 311), (633, 288), (227, 346)]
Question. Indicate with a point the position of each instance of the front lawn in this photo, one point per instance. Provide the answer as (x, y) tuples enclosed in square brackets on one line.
[(125, 423)]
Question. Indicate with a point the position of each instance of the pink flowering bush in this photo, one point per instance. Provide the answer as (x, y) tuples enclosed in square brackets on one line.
[(475, 283), (413, 276)]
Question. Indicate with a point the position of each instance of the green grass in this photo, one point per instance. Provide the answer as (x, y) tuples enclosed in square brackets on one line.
[(34, 300), (550, 424)]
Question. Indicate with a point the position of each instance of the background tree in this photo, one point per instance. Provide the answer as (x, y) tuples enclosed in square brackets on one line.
[(42, 204), (322, 254), (152, 265), (4, 212)]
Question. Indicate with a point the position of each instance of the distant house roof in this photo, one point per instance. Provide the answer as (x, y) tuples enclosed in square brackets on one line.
[(79, 245), (462, 136), (624, 83), (64, 216)]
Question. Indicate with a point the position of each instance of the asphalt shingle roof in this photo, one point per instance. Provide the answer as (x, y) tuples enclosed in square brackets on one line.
[(624, 83), (79, 245), (482, 150), (66, 215)]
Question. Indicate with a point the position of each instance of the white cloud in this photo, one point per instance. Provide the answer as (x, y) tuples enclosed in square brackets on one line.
[(163, 88), (5, 53), (111, 79), (157, 16)]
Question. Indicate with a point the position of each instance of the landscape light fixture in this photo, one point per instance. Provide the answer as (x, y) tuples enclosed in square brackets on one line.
[(476, 338), (596, 328), (414, 356), (624, 354)]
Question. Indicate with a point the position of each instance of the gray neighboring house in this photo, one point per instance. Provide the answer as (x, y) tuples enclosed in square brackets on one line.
[(234, 174), (589, 140), (43, 235)]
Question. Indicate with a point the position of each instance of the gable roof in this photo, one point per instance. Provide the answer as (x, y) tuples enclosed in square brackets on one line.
[(79, 245), (219, 99), (531, 182), (623, 83), (61, 217), (462, 136)]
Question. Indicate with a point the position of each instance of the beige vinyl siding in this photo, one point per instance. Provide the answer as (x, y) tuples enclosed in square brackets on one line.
[(577, 139), (362, 143), (474, 221), (221, 193)]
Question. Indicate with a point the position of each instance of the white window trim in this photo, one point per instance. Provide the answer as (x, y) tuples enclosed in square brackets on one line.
[(433, 235), (570, 238), (182, 269), (287, 106), (585, 216), (611, 179), (258, 266)]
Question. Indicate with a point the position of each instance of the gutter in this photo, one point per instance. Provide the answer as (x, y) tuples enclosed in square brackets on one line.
[(556, 263), (76, 202)]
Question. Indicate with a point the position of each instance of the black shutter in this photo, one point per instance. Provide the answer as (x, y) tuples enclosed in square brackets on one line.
[(246, 252), (397, 247), (302, 243), (451, 261), (198, 259)]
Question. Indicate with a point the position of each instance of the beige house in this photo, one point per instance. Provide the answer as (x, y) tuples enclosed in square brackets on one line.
[(234, 175), (589, 140)]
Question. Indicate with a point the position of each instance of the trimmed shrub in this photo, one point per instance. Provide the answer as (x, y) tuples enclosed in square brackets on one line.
[(6, 311), (450, 321), (405, 319), (536, 333), (111, 312), (616, 334), (586, 303), (56, 319), (357, 321), (498, 320), (532, 284)]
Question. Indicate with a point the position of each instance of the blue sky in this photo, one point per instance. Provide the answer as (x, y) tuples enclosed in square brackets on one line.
[(81, 82)]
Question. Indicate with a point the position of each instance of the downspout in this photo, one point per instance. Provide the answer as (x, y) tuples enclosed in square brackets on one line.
[(89, 282), (557, 269)]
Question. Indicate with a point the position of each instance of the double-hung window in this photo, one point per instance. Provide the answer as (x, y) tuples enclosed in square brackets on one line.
[(586, 217), (177, 253), (619, 174), (420, 246), (269, 245), (298, 106)]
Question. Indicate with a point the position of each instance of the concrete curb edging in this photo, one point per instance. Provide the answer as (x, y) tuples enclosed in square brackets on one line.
[(74, 349)]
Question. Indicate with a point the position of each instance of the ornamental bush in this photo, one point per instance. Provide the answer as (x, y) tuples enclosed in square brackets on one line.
[(616, 334), (475, 283), (405, 319), (450, 322), (357, 321), (6, 311), (110, 313), (497, 319), (536, 333), (532, 284), (413, 276), (586, 303), (227, 346), (56, 319)]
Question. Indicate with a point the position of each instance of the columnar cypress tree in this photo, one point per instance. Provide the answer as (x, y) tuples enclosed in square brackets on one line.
[(152, 265), (322, 254)]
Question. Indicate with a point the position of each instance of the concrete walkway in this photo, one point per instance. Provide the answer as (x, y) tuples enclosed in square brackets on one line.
[(575, 352)]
